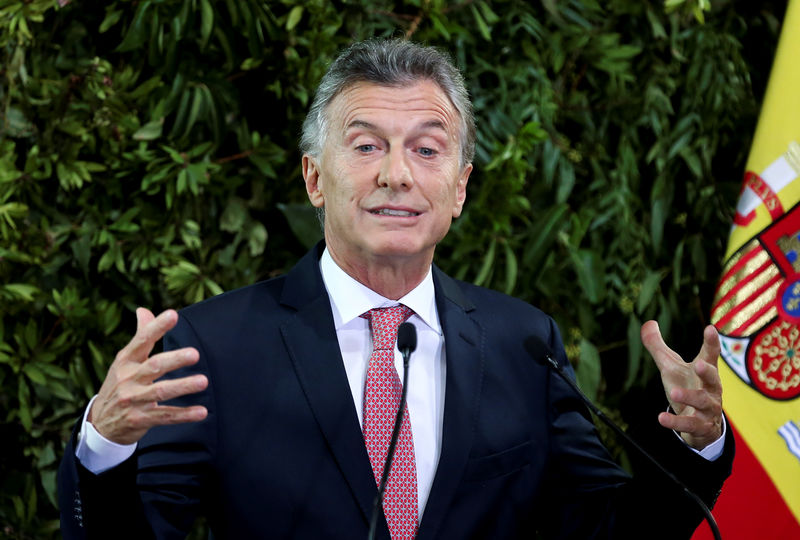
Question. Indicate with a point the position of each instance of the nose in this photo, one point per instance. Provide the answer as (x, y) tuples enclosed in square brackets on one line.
[(395, 173)]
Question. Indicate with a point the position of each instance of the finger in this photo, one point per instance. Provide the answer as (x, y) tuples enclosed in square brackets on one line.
[(160, 364), (710, 350), (709, 376), (655, 345), (704, 428), (701, 401), (148, 331), (165, 414), (165, 390)]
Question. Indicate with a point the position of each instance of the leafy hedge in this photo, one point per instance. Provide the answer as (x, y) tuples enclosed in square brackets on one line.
[(148, 157)]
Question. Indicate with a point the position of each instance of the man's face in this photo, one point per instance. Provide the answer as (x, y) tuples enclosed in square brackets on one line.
[(389, 177)]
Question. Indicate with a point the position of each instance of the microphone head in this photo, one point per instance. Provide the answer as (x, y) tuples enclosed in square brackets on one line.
[(538, 349), (407, 337)]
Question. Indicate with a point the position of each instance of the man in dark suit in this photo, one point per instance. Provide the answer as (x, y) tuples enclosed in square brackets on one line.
[(266, 412)]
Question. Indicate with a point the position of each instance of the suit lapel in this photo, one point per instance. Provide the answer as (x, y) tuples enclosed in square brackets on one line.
[(465, 357), (310, 339)]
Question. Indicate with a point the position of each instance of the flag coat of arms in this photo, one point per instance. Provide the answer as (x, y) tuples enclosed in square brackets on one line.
[(757, 313)]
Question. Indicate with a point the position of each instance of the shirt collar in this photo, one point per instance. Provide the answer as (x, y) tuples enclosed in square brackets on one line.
[(349, 298)]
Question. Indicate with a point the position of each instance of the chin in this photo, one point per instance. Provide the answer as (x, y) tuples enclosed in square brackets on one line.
[(401, 248)]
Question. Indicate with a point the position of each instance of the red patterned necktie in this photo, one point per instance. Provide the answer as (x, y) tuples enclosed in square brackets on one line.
[(381, 400)]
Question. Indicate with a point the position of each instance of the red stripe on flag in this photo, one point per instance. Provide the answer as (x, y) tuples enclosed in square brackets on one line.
[(746, 280), (757, 249), (741, 284), (757, 315), (741, 263), (750, 506), (745, 303)]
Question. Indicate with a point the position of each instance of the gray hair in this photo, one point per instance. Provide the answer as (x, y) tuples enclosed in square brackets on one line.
[(388, 62)]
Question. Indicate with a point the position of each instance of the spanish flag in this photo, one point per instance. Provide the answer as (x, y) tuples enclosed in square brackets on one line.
[(757, 313)]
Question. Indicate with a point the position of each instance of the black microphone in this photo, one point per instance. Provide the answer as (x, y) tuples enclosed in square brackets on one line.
[(406, 344), (542, 354), (406, 340)]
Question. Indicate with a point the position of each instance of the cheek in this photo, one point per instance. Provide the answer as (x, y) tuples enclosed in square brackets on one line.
[(342, 194), (451, 192)]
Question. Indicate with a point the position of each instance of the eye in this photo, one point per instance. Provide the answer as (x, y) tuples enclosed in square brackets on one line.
[(366, 148), (427, 152)]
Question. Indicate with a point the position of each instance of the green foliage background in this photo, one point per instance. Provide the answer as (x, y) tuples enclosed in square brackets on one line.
[(148, 157)]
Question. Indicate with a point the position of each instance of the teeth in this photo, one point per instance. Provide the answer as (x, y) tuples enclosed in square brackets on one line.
[(390, 212)]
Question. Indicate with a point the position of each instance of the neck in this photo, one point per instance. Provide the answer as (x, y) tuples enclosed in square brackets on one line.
[(391, 277)]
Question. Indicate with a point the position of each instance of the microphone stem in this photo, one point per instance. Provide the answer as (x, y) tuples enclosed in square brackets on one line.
[(373, 523)]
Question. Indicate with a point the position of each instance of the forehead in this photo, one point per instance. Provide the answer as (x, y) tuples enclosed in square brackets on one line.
[(419, 101)]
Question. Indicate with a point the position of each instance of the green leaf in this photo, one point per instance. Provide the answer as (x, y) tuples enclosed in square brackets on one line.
[(483, 28), (15, 124), (657, 221), (543, 233), (195, 110), (196, 175), (235, 215), (692, 161), (588, 372), (136, 35), (183, 180), (303, 221), (21, 291), (646, 293), (250, 63), (487, 265), (566, 182), (440, 27), (490, 16), (112, 17), (149, 131), (257, 239), (294, 17), (589, 267), (34, 373), (206, 22), (99, 363), (511, 268), (634, 352), (48, 479), (24, 411)]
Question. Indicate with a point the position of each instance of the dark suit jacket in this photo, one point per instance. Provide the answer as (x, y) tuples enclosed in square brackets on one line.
[(281, 454)]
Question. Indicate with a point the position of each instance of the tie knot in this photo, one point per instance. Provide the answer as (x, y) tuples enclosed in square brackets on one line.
[(384, 323)]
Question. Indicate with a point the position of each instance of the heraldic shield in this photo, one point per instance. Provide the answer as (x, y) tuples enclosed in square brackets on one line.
[(757, 309)]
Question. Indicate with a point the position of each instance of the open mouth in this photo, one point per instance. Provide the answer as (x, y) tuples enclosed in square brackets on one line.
[(393, 212)]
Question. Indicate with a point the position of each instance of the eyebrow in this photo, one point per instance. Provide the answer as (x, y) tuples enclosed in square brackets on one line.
[(436, 124)]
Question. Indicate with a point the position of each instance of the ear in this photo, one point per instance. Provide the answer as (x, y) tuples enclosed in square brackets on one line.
[(461, 190), (311, 176)]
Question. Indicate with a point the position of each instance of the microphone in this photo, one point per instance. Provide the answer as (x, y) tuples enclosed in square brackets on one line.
[(406, 340), (541, 352), (406, 344)]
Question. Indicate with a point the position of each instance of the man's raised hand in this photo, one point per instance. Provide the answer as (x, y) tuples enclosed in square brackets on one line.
[(694, 389), (128, 403)]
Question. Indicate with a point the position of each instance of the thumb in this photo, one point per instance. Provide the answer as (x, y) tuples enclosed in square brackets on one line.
[(655, 345)]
